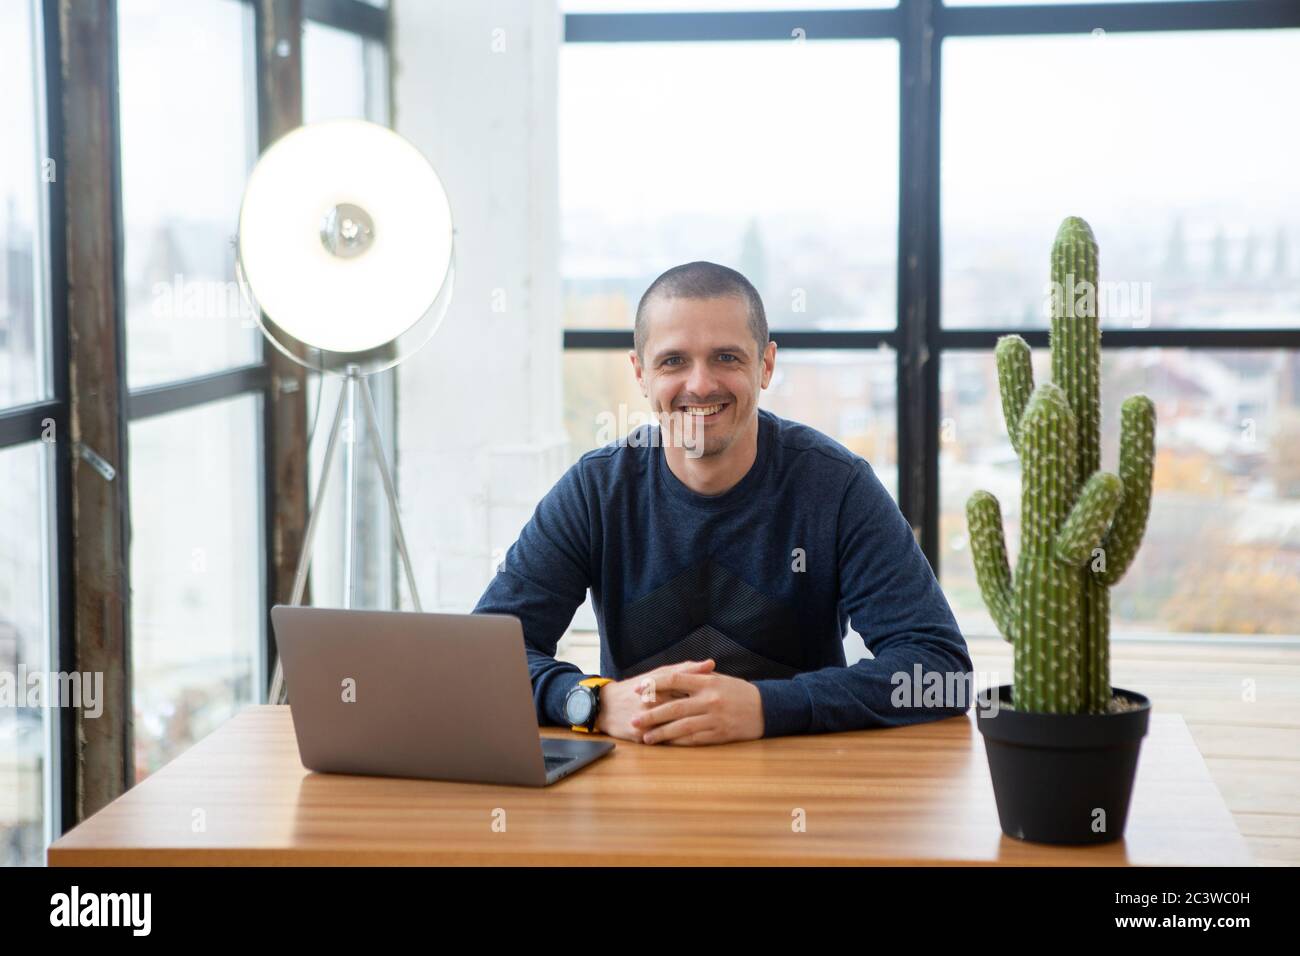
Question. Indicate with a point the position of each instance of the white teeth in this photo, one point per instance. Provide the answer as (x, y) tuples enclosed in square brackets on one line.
[(702, 409)]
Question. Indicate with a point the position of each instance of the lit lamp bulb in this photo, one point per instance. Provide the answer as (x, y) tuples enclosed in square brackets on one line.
[(345, 245)]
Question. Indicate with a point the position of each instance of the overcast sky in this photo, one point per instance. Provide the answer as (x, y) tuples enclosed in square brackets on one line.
[(1112, 125)]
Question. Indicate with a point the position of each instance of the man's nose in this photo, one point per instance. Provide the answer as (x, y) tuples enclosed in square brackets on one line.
[(701, 383)]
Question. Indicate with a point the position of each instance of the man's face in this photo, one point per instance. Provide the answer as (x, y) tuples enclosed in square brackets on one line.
[(700, 354)]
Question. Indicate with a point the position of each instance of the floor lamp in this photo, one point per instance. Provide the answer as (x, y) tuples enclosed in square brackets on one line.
[(345, 252)]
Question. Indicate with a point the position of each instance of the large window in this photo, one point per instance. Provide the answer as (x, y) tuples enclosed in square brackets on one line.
[(187, 109), (196, 600), (345, 75), (1188, 180), (189, 138), (189, 133), (29, 748), (194, 478), (909, 166), (23, 351), (1186, 174), (785, 163), (28, 755), (1221, 553)]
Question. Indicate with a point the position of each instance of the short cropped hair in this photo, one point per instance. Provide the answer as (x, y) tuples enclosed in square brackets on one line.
[(701, 280)]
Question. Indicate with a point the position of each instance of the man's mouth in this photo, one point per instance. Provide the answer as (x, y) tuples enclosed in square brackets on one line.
[(705, 412)]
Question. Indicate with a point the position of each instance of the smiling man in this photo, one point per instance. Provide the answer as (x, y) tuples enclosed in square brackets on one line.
[(726, 551)]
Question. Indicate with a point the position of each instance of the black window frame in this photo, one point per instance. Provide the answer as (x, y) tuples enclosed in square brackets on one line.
[(919, 339), (24, 424)]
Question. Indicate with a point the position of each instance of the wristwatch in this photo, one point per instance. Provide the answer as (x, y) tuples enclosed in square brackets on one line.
[(583, 704)]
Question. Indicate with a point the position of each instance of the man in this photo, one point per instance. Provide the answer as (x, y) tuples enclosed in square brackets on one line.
[(723, 564)]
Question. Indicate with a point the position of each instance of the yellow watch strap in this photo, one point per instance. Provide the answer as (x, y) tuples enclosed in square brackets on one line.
[(593, 683)]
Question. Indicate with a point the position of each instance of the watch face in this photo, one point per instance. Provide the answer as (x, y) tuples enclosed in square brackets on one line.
[(577, 706)]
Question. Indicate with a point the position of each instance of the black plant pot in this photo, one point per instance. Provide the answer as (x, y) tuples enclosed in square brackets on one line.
[(1053, 773)]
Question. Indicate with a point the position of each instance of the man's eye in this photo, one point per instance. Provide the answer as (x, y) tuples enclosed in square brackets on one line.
[(726, 355), (671, 359)]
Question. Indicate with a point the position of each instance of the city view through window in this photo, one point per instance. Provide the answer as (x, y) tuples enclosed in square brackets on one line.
[(799, 192)]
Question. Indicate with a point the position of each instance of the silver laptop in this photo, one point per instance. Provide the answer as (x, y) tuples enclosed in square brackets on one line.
[(437, 696)]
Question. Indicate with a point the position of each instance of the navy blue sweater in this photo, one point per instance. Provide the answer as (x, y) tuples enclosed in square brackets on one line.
[(762, 578)]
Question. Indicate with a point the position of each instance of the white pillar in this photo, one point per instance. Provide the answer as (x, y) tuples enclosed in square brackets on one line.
[(480, 415)]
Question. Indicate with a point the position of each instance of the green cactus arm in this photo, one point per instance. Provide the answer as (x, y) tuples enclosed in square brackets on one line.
[(1015, 380), (989, 548), (1089, 519), (1075, 336), (1137, 452), (1048, 464)]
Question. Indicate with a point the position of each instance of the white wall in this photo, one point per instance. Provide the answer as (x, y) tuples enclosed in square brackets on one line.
[(480, 417)]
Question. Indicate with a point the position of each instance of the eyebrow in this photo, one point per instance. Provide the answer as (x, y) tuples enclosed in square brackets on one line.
[(668, 353)]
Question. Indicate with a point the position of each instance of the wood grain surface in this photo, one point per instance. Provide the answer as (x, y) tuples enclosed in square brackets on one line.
[(898, 796)]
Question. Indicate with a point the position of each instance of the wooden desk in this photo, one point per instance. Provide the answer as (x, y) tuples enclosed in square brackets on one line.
[(910, 795)]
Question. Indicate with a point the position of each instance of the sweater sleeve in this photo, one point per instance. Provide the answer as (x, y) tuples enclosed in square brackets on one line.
[(890, 593), (543, 580)]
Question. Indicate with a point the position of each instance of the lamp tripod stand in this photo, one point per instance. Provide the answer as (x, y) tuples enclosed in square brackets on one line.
[(354, 382), (345, 253)]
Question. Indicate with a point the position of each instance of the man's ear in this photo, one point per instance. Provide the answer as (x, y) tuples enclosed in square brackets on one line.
[(769, 363), (636, 369)]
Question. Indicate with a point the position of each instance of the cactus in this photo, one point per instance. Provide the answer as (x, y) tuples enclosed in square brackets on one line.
[(1080, 526)]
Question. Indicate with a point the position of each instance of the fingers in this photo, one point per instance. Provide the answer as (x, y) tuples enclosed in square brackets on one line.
[(649, 692), (656, 680), (673, 710), (684, 682), (700, 667), (678, 729)]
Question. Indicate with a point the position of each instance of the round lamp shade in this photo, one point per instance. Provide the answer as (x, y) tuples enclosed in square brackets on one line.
[(345, 245)]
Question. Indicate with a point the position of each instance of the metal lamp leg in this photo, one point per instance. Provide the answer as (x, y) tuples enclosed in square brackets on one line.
[(347, 399), (377, 446)]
